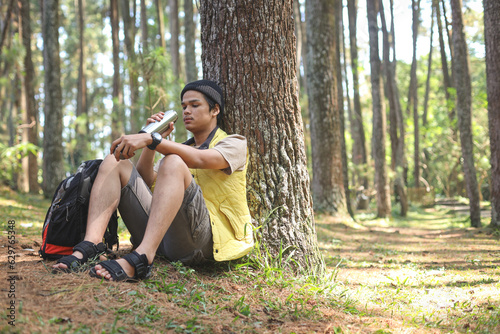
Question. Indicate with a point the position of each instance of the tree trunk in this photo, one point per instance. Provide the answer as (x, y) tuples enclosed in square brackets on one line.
[(492, 41), (444, 62), (53, 169), (82, 128), (379, 121), (395, 131), (413, 94), (359, 155), (341, 69), (327, 182), (6, 24), (248, 47), (30, 131), (174, 38), (117, 124), (460, 62), (144, 27), (298, 33), (161, 22), (129, 29), (189, 43), (429, 72)]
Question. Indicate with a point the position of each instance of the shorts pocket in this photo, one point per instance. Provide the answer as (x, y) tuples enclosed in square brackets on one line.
[(199, 220)]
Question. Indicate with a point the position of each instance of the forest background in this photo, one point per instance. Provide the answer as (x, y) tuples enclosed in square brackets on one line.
[(76, 75)]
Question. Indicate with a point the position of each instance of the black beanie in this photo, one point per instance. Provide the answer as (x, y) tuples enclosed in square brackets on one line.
[(209, 88)]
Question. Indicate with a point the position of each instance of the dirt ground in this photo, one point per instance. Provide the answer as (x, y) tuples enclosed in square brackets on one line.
[(418, 277)]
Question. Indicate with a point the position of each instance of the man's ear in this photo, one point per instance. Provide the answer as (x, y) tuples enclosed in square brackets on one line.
[(216, 110)]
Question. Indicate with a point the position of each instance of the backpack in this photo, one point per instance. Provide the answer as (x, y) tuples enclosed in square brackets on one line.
[(66, 218)]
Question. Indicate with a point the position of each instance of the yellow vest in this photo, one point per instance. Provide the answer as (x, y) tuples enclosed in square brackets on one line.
[(225, 197)]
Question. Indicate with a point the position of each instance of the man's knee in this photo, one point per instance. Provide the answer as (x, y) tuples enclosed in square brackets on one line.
[(173, 163)]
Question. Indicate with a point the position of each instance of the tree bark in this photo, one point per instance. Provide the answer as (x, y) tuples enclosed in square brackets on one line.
[(379, 118), (322, 84), (492, 43), (117, 125), (461, 73), (396, 132), (161, 22), (444, 63), (82, 127), (53, 170), (429, 72), (129, 29), (144, 27), (248, 48), (189, 44), (359, 154), (30, 131), (174, 38)]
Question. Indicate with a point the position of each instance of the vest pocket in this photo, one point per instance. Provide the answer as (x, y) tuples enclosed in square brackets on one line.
[(239, 217)]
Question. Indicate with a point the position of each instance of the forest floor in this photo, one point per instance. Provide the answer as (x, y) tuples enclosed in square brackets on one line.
[(427, 273)]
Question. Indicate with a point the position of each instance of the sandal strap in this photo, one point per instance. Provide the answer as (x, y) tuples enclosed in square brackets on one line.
[(89, 249), (72, 262), (114, 269), (140, 263)]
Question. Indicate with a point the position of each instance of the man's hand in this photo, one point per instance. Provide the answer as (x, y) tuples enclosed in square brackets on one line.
[(126, 145), (158, 117)]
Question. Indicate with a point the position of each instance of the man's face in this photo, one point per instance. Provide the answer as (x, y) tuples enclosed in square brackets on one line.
[(196, 112)]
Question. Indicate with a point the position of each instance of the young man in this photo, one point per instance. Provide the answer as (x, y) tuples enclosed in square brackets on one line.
[(198, 210)]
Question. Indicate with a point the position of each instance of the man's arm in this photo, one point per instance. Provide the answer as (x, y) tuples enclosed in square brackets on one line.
[(194, 158)]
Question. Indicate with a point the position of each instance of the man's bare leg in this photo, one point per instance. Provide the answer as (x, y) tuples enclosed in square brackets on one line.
[(104, 199), (172, 180)]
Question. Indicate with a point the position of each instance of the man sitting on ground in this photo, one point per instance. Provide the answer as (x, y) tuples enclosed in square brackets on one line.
[(198, 210)]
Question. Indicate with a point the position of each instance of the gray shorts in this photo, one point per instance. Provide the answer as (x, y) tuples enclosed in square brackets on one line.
[(189, 237)]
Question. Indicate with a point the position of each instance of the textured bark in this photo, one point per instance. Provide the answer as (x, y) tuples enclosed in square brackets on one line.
[(161, 22), (413, 94), (249, 48), (429, 72), (53, 169), (322, 84), (189, 43), (379, 118), (82, 129), (359, 154), (30, 131), (461, 73), (174, 37), (340, 50), (129, 29), (492, 41), (395, 131), (144, 27), (444, 62), (117, 126)]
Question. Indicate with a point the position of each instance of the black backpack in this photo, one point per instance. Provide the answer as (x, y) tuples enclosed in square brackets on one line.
[(66, 219)]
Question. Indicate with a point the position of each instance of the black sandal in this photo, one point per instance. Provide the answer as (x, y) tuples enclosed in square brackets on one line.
[(138, 261), (89, 251)]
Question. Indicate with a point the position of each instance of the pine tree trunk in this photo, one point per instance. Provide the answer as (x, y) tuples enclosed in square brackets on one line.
[(174, 37), (53, 169), (161, 22), (379, 118), (30, 133), (144, 27), (248, 47), (395, 131), (136, 116), (460, 62), (359, 154), (81, 128), (117, 125), (189, 37), (492, 41), (322, 79)]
